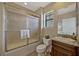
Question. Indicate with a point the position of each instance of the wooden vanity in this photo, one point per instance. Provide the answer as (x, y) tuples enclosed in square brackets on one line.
[(63, 49)]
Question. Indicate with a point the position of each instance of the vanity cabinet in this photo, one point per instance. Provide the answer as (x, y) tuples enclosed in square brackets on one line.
[(62, 49)]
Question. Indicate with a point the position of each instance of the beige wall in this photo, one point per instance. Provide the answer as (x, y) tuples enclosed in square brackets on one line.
[(0, 28), (78, 19), (56, 6), (19, 9)]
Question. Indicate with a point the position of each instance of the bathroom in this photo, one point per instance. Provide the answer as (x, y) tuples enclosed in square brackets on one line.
[(23, 26)]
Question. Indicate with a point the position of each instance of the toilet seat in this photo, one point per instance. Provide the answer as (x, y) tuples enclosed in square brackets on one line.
[(41, 48)]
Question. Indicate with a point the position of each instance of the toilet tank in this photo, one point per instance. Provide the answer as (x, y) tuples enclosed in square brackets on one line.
[(47, 41)]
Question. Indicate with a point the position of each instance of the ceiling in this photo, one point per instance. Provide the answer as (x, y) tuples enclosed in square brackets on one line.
[(33, 5)]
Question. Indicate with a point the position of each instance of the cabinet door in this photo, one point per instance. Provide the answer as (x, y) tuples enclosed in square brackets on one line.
[(57, 53), (62, 50), (60, 53)]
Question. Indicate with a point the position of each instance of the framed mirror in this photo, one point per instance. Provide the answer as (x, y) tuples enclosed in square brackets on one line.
[(67, 26), (67, 23)]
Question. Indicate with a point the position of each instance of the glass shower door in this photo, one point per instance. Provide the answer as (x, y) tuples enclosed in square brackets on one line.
[(15, 23), (33, 26)]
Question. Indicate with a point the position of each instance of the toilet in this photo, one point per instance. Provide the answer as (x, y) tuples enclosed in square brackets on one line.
[(41, 49)]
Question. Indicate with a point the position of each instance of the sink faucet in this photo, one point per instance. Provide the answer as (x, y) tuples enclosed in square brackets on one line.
[(74, 36)]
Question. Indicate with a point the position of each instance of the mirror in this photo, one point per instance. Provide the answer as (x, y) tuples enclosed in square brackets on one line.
[(67, 22), (67, 26)]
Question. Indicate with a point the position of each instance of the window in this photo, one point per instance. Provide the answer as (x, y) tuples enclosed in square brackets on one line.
[(49, 19)]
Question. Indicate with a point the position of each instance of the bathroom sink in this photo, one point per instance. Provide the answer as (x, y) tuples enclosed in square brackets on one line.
[(66, 40)]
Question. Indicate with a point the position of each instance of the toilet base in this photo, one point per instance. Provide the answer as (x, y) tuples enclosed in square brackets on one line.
[(41, 54), (41, 49)]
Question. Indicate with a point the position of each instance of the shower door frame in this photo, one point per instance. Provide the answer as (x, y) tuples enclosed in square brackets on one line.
[(4, 37)]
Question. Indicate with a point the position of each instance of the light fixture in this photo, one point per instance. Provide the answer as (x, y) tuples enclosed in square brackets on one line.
[(25, 3)]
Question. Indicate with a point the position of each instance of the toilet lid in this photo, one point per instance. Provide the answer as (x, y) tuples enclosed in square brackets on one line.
[(42, 46)]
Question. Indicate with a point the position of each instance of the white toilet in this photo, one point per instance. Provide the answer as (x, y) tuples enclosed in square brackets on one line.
[(41, 49)]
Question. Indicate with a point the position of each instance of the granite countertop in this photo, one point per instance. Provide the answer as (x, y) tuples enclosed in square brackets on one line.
[(66, 41)]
